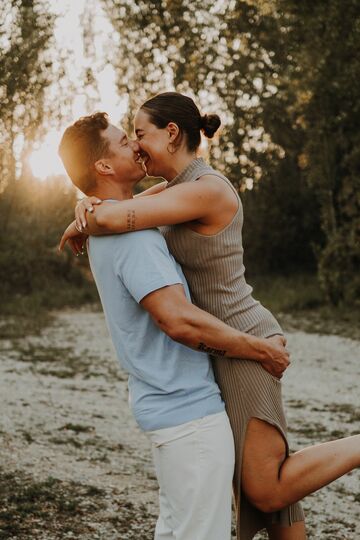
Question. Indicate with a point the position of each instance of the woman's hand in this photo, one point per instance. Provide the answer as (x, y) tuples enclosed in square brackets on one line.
[(83, 206), (74, 238)]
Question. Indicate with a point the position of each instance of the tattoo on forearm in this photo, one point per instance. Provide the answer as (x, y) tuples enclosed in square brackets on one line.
[(203, 347), (131, 220)]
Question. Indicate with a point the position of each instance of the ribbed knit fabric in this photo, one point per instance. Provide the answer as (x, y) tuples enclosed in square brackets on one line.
[(213, 266)]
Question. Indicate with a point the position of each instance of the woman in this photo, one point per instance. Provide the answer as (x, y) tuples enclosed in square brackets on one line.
[(201, 218)]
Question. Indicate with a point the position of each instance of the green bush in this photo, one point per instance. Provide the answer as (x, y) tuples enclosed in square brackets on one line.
[(338, 262), (288, 294), (32, 271)]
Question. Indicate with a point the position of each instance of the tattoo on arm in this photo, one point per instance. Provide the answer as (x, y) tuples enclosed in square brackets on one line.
[(203, 347), (131, 220)]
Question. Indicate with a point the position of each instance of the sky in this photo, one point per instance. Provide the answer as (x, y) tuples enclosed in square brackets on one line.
[(44, 161)]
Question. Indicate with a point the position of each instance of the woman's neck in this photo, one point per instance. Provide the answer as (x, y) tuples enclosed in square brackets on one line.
[(179, 161)]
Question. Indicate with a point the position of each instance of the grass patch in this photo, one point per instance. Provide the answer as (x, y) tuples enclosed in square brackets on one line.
[(63, 363), (97, 442), (22, 315), (346, 410), (77, 428), (27, 506), (52, 508), (310, 430), (296, 403), (28, 437), (126, 521), (288, 293), (58, 362)]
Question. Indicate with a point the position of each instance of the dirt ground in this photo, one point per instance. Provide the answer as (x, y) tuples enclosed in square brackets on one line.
[(73, 464)]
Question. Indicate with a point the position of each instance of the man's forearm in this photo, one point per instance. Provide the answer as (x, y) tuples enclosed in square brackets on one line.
[(202, 331), (191, 326)]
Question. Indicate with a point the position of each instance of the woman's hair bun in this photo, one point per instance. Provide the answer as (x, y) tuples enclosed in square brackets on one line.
[(210, 123)]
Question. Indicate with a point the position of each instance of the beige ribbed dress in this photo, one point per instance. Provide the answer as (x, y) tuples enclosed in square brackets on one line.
[(213, 266)]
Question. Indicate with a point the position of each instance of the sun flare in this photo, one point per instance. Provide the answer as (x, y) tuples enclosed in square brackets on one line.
[(44, 161)]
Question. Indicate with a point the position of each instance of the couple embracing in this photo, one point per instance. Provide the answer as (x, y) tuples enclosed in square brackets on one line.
[(205, 359)]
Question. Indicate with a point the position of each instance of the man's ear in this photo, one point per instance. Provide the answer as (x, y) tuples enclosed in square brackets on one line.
[(103, 167), (173, 130)]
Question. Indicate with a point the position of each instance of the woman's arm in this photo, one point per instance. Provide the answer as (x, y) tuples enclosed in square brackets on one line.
[(87, 203), (152, 190), (187, 202)]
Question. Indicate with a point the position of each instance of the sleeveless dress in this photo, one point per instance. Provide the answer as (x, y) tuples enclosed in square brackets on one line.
[(213, 266)]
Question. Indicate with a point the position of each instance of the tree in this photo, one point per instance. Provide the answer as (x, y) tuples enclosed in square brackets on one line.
[(324, 40), (25, 72)]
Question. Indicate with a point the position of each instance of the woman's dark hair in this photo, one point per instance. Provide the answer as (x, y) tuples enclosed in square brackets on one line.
[(174, 107)]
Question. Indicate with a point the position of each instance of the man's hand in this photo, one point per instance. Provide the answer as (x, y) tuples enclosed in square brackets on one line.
[(74, 238), (83, 206), (279, 357)]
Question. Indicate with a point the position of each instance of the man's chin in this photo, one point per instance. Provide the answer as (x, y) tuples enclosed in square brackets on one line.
[(140, 173)]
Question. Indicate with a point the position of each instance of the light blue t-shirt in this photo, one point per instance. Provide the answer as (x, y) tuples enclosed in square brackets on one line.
[(169, 384)]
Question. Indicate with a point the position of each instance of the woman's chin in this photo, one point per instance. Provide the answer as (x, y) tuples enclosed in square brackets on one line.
[(151, 170)]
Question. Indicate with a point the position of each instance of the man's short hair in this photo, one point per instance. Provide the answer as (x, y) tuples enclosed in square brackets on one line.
[(81, 146)]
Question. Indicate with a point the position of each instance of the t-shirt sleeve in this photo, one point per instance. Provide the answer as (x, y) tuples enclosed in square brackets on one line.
[(144, 264)]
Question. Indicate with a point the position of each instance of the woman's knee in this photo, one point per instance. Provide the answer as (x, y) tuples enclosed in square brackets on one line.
[(267, 502)]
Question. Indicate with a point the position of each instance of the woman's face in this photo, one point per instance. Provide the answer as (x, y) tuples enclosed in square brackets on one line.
[(153, 142)]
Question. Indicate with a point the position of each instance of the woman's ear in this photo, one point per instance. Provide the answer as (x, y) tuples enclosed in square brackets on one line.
[(102, 167), (173, 130)]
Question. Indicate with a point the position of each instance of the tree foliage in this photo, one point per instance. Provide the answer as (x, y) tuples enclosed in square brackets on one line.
[(32, 214), (324, 40), (25, 34)]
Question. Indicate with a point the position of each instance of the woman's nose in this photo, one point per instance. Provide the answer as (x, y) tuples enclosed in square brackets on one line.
[(135, 146)]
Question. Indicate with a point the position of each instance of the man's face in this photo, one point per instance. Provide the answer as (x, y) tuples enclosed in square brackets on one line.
[(124, 158)]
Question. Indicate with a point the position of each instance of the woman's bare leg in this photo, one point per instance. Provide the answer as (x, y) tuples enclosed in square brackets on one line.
[(295, 532), (272, 481)]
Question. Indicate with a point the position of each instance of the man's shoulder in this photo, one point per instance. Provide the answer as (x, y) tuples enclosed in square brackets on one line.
[(148, 235), (128, 244)]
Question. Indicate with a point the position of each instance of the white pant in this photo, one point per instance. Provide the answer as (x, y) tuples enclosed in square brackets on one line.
[(194, 465)]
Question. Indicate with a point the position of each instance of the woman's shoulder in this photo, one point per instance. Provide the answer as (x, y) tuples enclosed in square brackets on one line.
[(216, 179)]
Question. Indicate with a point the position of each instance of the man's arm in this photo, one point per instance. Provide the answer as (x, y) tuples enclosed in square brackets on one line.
[(195, 328)]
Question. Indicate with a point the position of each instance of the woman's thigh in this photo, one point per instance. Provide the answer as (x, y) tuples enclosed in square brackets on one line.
[(264, 453), (297, 531)]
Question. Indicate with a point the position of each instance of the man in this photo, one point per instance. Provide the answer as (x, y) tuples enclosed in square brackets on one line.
[(172, 390)]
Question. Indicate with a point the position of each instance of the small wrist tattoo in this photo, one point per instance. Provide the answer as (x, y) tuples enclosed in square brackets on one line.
[(210, 350), (131, 220)]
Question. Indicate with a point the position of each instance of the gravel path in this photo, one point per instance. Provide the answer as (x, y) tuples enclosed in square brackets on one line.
[(73, 464)]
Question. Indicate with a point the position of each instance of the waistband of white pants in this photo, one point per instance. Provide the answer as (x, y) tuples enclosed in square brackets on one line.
[(160, 436)]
